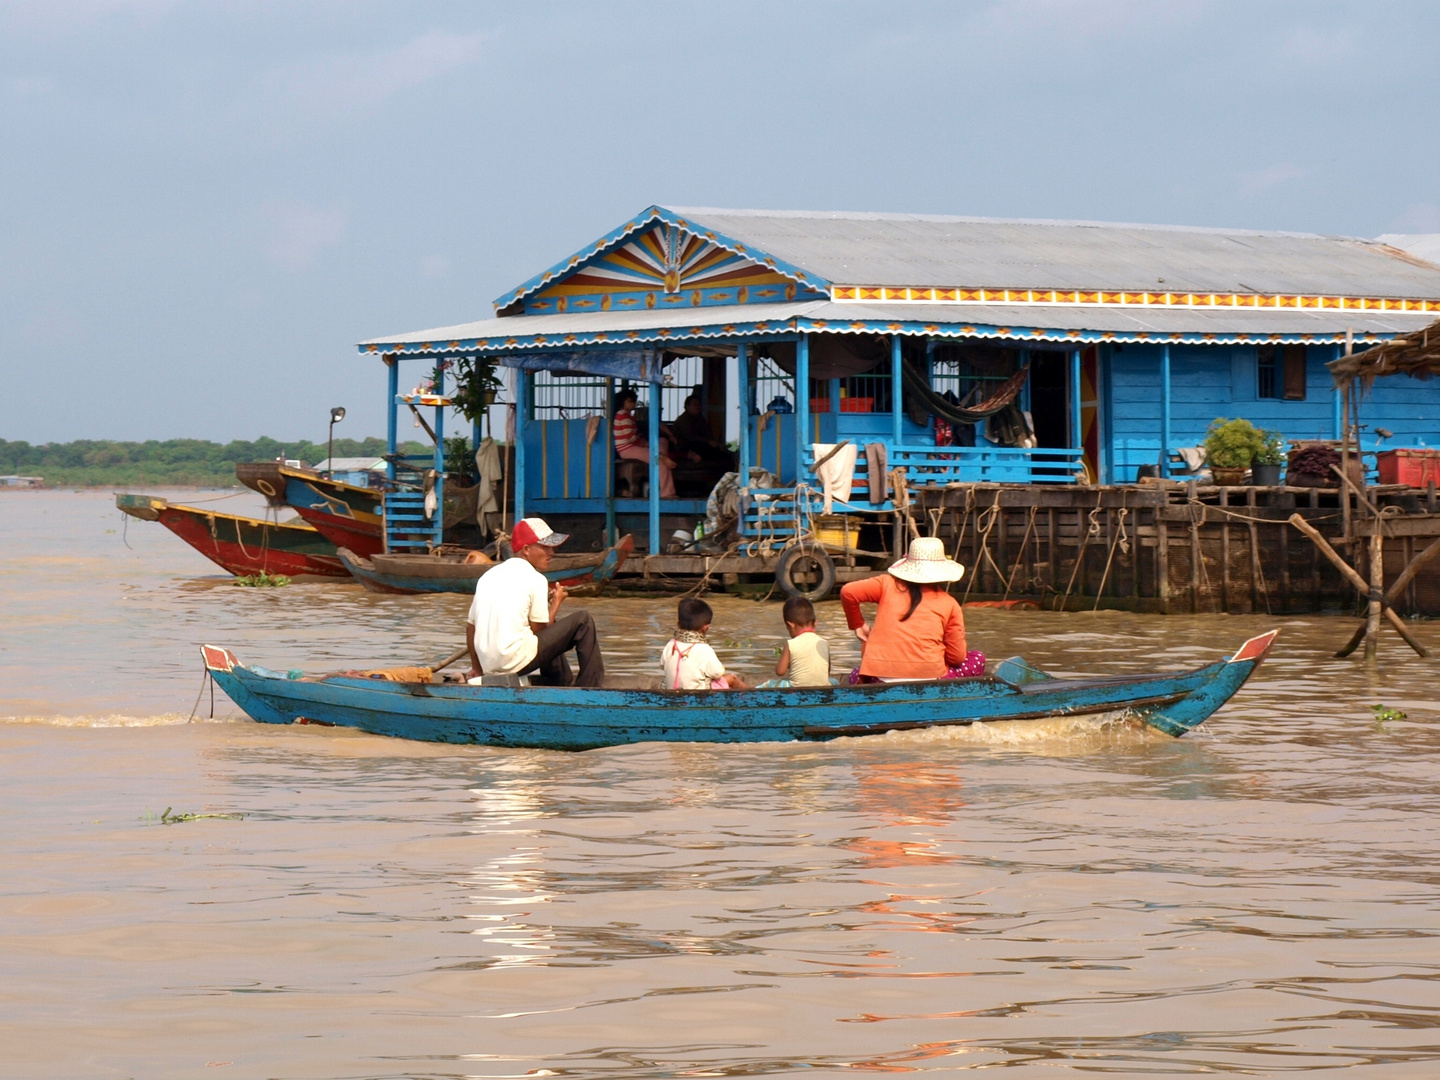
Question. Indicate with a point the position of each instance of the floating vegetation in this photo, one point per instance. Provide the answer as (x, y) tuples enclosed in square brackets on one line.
[(169, 817), (262, 580), (1385, 712)]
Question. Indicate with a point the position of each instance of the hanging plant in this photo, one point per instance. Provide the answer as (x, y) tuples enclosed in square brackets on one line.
[(476, 386)]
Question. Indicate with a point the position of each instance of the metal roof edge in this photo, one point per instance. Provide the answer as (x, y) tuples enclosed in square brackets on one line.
[(861, 215)]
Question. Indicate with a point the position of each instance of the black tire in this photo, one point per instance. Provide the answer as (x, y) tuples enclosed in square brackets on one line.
[(805, 572)]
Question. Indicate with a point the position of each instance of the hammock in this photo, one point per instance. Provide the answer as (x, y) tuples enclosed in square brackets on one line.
[(955, 414)]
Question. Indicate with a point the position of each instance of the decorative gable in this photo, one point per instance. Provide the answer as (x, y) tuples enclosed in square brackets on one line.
[(667, 266)]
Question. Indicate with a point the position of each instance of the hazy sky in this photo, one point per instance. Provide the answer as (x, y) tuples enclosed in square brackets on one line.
[(204, 205)]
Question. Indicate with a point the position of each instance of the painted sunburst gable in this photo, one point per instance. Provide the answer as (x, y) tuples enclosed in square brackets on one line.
[(660, 259)]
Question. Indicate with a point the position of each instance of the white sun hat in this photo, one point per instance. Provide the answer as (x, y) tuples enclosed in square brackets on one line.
[(925, 563)]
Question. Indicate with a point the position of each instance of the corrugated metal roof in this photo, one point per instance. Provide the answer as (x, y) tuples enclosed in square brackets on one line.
[(926, 250), (557, 326), (1055, 322), (1130, 320), (1422, 245)]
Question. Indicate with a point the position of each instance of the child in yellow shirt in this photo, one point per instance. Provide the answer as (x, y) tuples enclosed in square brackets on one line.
[(805, 659)]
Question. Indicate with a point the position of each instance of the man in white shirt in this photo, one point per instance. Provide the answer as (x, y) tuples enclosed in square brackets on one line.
[(512, 628)]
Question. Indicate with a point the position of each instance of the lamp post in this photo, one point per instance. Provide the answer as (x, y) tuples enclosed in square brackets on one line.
[(336, 415)]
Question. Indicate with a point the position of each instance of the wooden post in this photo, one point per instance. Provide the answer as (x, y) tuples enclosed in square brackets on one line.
[(1285, 604), (1050, 544), (1377, 586), (1224, 551), (1256, 575), (1162, 556), (1344, 492), (1349, 574), (1195, 554)]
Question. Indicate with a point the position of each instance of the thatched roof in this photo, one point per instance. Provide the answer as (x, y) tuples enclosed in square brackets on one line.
[(1416, 354)]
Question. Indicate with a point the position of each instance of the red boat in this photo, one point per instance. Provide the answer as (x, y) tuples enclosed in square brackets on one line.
[(242, 545)]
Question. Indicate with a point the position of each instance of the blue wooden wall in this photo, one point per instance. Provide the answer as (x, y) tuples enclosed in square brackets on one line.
[(1213, 381)]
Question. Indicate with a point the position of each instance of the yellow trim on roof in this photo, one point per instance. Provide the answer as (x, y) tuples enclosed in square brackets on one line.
[(891, 294)]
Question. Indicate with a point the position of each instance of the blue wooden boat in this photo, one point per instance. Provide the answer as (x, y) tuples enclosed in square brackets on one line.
[(451, 573), (571, 718)]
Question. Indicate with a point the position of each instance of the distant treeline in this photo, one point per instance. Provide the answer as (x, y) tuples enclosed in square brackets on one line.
[(180, 462)]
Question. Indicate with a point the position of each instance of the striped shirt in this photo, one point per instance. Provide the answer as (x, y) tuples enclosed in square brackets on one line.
[(627, 431)]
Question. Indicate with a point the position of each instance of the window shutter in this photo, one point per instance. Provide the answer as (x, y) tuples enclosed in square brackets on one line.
[(1294, 372)]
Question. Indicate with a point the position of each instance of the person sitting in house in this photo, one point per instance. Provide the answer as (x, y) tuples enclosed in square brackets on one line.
[(693, 439), (630, 447), (919, 629), (687, 658), (512, 628)]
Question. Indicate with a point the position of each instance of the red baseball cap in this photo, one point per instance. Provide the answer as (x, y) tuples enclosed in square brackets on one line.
[(534, 531)]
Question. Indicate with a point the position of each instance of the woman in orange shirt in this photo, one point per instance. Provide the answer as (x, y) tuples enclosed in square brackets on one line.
[(919, 630)]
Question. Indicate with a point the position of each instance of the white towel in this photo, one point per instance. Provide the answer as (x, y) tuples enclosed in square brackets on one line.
[(837, 474), (487, 466), (1193, 456)]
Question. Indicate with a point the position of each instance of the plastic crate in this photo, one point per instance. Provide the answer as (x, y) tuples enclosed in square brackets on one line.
[(1414, 468)]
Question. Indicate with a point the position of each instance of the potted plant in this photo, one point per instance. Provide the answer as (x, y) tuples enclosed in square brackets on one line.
[(476, 385), (1265, 465), (1230, 447)]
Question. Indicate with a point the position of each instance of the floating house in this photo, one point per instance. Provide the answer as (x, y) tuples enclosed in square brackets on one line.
[(1116, 345)]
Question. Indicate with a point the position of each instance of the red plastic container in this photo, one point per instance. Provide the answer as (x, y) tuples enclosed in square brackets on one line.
[(857, 404), (1415, 468), (819, 404)]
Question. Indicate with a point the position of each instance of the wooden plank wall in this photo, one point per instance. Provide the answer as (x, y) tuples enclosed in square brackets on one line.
[(1182, 551)]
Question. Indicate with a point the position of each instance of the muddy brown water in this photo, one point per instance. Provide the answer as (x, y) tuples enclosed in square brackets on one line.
[(1259, 898)]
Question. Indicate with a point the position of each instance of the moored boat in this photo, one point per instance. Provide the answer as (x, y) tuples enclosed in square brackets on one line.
[(572, 718), (346, 515), (241, 545), (452, 573)]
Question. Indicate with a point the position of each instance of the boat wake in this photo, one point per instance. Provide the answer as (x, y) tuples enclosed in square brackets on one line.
[(1121, 724), (116, 720)]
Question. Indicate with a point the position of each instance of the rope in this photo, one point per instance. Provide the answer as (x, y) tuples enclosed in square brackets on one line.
[(1080, 552), (965, 520), (1121, 541), (1029, 528), (990, 515)]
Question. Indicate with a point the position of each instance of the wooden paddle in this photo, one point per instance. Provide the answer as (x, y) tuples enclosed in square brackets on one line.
[(461, 654)]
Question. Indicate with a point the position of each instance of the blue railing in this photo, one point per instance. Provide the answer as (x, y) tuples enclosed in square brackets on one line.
[(775, 513)]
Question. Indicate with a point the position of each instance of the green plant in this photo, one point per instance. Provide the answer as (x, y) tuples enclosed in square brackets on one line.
[(168, 817), (1385, 712), (262, 580), (1232, 444), (1272, 449), (476, 384)]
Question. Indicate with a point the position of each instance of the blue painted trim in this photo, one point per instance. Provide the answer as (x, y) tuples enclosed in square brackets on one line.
[(742, 391), (1339, 426), (438, 521), (1165, 410), (654, 418), (697, 332), (621, 235), (642, 299), (1077, 416), (392, 444), (897, 390), (802, 403), (522, 421)]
